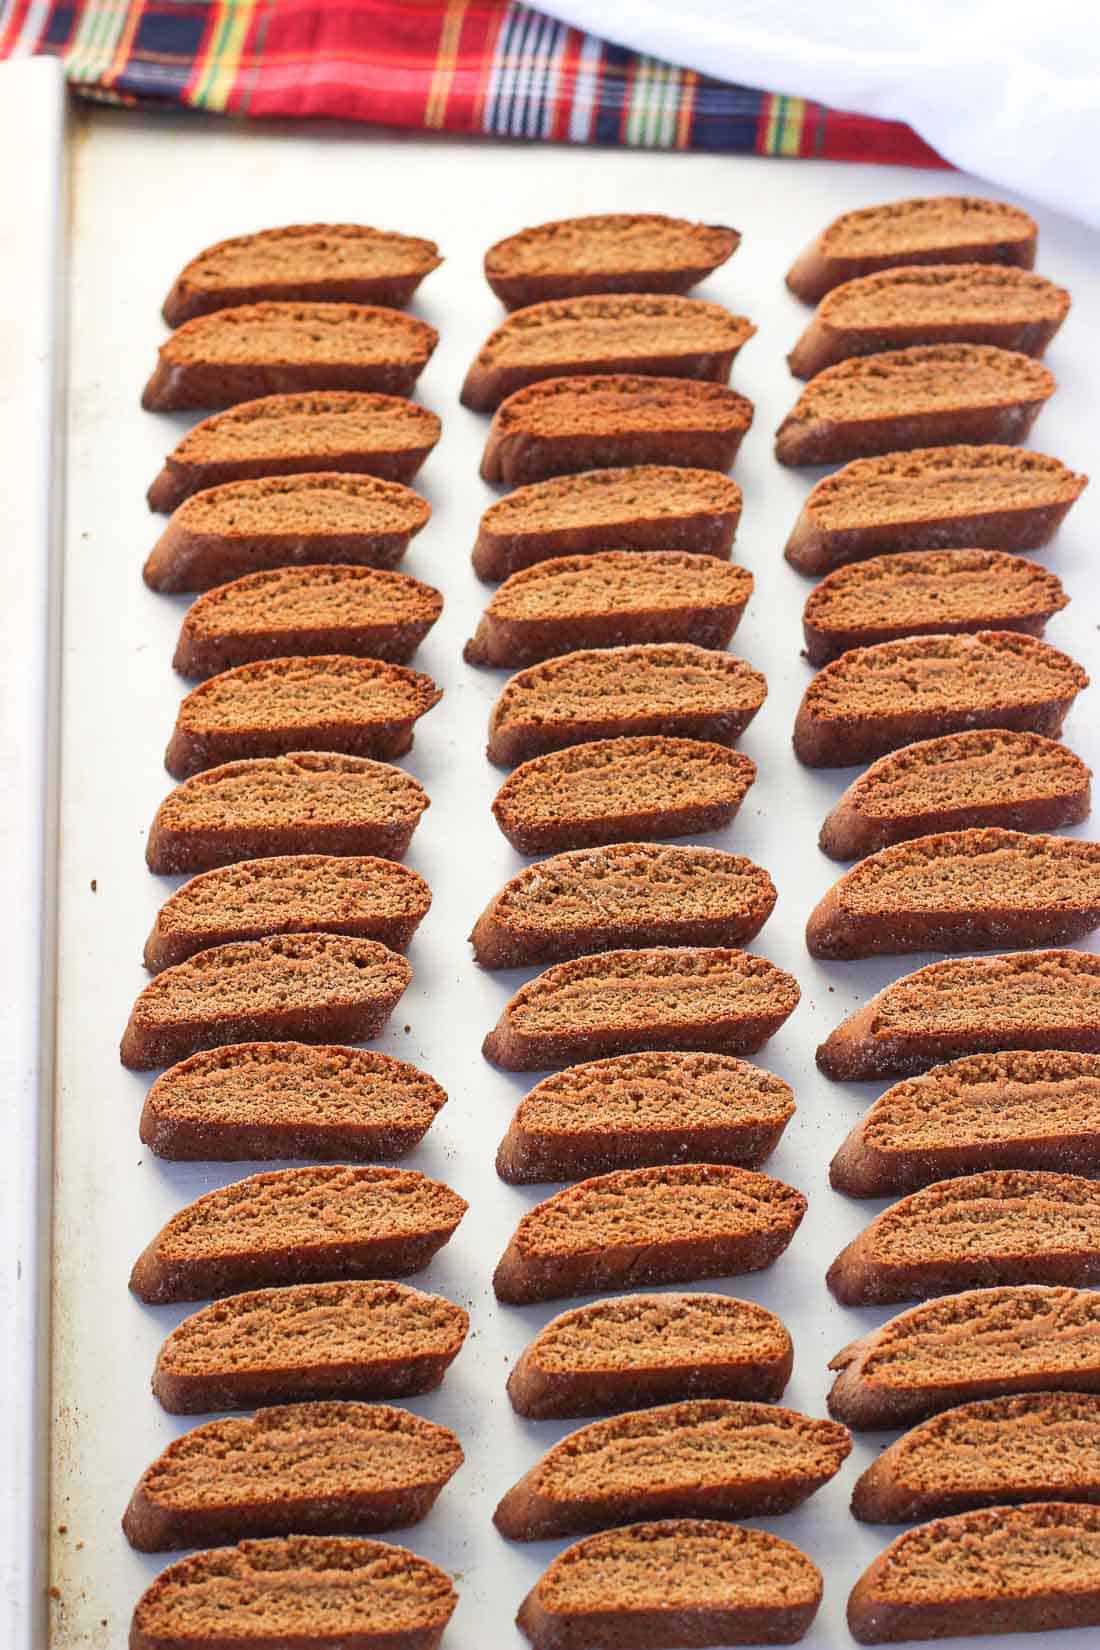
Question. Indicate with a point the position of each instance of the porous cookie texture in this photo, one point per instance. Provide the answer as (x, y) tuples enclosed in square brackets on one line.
[(360, 707), (930, 394), (930, 499), (297, 1469), (307, 1225), (630, 894), (287, 1100), (641, 1226), (634, 788), (309, 1341), (311, 988), (970, 1005), (636, 1350), (563, 425), (606, 252), (709, 999), (666, 688), (976, 778), (636, 1110), (307, 801), (876, 699), (281, 435), (983, 1343), (640, 507)]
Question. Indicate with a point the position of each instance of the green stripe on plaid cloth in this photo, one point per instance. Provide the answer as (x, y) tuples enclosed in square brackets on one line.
[(486, 66)]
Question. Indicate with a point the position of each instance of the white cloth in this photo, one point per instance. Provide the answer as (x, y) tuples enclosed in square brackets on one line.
[(1006, 89)]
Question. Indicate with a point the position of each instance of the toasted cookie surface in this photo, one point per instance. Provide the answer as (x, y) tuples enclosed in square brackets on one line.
[(606, 252)]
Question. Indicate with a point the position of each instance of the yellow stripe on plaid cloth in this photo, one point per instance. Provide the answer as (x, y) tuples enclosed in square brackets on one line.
[(786, 117), (435, 110), (223, 56), (90, 56)]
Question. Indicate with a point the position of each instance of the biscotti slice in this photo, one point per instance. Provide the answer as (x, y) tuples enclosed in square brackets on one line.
[(703, 1458), (309, 1225), (562, 425), (283, 435), (1044, 1446), (372, 899), (650, 333), (641, 507), (673, 1583), (1017, 1110), (309, 800), (359, 707), (284, 1100), (311, 1591), (310, 988), (924, 593), (323, 262), (670, 1224), (629, 894), (998, 1226), (963, 780), (931, 498), (606, 252), (984, 1343), (704, 998), (287, 349), (1027, 1569), (641, 1109), (932, 304), (609, 600), (977, 890), (622, 790), (309, 1341), (969, 1005), (935, 229), (306, 610), (930, 395), (297, 1469), (603, 693), (876, 699)]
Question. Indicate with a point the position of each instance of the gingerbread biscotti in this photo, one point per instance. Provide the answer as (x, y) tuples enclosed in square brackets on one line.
[(636, 1350), (876, 699), (969, 1005), (287, 1100), (603, 693), (1043, 1446), (308, 611), (311, 988), (357, 1339), (704, 1458), (281, 435), (329, 702), (984, 1343), (628, 894), (635, 788), (636, 1110), (926, 593), (670, 1224), (976, 890), (309, 1225), (639, 507), (929, 395), (563, 425), (332, 1468), (319, 801), (649, 1583), (705, 998), (350, 263), (606, 252), (968, 780), (317, 1590), (933, 229)]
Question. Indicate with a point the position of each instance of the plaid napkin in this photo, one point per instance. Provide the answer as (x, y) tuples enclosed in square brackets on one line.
[(485, 66)]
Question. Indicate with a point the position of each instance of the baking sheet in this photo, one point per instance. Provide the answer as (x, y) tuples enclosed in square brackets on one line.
[(148, 195)]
